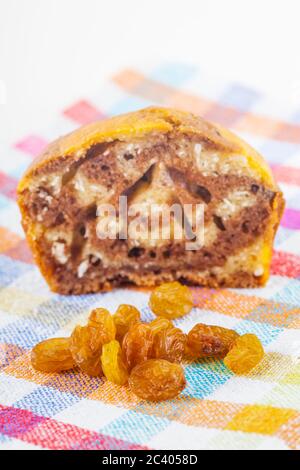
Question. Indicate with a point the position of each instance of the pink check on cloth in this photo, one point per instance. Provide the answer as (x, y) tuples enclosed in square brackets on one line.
[(217, 410)]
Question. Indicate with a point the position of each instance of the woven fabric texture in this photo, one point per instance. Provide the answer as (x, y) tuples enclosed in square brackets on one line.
[(217, 410)]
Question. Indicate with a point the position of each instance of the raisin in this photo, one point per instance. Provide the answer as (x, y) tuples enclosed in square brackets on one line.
[(101, 319), (87, 341), (219, 222), (113, 365), (245, 226), (169, 344), (91, 212), (157, 380), (171, 300), (200, 191), (86, 347), (124, 318), (254, 188), (52, 355), (160, 324), (136, 252), (82, 230), (128, 156), (245, 354), (137, 344), (203, 193), (168, 341), (59, 219), (209, 341)]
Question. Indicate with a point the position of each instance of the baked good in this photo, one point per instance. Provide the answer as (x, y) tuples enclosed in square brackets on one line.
[(159, 157)]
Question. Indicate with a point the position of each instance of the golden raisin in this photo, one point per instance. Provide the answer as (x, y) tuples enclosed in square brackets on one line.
[(137, 344), (86, 347), (245, 354), (52, 355), (87, 341), (209, 341), (159, 324), (169, 344), (101, 319), (113, 365), (124, 318), (157, 380), (171, 300)]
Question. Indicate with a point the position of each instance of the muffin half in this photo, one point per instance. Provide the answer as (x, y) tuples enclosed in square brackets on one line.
[(152, 160)]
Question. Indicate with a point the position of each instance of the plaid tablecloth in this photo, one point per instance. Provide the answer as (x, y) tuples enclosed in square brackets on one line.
[(217, 410)]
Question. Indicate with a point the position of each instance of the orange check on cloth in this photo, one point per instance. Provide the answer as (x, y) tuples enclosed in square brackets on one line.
[(217, 410)]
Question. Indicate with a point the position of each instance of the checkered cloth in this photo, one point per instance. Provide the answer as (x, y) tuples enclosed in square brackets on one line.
[(217, 410)]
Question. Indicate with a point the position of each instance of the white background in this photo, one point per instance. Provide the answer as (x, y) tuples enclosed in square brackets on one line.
[(54, 51)]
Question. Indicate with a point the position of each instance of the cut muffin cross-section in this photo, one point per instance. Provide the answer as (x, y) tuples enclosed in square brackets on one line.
[(155, 158)]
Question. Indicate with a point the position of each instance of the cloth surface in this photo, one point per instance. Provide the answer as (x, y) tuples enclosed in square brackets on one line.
[(217, 410)]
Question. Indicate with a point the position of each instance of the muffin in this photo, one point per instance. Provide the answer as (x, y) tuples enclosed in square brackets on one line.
[(86, 203)]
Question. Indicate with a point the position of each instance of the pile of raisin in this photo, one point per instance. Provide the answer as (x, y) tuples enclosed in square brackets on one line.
[(146, 356)]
